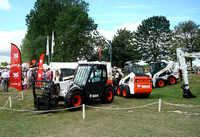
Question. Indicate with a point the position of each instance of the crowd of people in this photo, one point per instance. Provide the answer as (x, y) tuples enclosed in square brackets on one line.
[(28, 76)]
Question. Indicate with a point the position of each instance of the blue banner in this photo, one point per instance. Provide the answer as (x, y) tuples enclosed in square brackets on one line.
[(109, 50)]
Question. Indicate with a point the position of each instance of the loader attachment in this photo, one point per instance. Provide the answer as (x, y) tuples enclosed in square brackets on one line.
[(45, 96), (186, 92)]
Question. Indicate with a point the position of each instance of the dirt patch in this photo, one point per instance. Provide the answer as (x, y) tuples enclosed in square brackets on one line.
[(187, 113)]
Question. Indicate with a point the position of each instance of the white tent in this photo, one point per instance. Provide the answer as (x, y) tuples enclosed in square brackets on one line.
[(196, 62), (45, 66), (25, 65), (73, 65), (58, 65)]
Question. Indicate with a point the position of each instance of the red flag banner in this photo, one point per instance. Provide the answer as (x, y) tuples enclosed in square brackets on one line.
[(15, 68), (34, 61), (40, 70), (100, 51)]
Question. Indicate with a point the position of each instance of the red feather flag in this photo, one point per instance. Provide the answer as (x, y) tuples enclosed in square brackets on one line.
[(40, 70), (16, 68), (100, 51)]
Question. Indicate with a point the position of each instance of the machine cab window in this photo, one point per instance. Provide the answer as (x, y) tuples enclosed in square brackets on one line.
[(157, 66), (95, 75)]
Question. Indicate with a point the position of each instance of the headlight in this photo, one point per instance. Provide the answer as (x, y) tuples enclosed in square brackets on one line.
[(149, 81)]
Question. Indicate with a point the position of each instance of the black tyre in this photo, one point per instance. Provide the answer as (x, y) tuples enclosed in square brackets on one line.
[(171, 80), (126, 91), (119, 90), (160, 83), (107, 96), (74, 99)]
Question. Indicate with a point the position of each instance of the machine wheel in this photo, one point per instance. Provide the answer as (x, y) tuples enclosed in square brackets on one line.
[(160, 83), (126, 92), (171, 80), (74, 99), (107, 96), (119, 90)]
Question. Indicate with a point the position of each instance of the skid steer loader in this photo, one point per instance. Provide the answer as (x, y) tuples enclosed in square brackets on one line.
[(135, 82), (90, 82), (163, 73)]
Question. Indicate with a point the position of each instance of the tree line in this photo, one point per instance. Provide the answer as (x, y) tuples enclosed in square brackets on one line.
[(77, 38)]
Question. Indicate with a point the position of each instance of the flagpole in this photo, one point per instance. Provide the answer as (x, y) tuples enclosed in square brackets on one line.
[(52, 46), (47, 49), (48, 60), (111, 55)]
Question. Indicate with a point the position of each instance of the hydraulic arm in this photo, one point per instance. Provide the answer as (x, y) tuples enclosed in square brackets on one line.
[(181, 55)]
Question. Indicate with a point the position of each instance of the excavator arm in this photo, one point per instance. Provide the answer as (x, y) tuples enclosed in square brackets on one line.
[(181, 56)]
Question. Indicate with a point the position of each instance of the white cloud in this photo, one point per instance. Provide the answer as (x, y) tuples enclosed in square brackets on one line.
[(129, 26), (107, 34), (7, 38), (5, 5), (110, 34)]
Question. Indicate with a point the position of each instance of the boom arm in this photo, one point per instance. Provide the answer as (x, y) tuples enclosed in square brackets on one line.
[(181, 55)]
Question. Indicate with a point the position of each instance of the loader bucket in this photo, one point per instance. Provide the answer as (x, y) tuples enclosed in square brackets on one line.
[(188, 94)]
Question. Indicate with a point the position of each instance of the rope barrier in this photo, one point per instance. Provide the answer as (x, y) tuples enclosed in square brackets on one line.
[(10, 100), (16, 96), (181, 105), (105, 108), (41, 111), (5, 104)]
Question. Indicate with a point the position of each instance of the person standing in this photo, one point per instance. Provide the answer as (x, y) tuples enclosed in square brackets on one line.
[(29, 74), (57, 76), (48, 74), (0, 76), (25, 82), (5, 77)]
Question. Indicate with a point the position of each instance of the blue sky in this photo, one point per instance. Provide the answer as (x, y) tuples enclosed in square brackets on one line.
[(110, 15)]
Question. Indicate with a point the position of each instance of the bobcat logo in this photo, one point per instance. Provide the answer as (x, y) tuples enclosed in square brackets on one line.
[(15, 56), (15, 75), (39, 75)]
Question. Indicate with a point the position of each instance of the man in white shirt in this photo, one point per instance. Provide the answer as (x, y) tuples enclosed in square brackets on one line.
[(29, 75), (5, 75)]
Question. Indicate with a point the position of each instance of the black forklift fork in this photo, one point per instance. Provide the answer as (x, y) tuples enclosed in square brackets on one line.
[(44, 101)]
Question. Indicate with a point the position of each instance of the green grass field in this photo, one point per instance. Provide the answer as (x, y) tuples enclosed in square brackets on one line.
[(178, 121)]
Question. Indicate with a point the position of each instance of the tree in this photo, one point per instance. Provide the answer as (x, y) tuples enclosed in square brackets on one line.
[(123, 49), (40, 22), (97, 41), (187, 34), (74, 30), (4, 63), (153, 37)]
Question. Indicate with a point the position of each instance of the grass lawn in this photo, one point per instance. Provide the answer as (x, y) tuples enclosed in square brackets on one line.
[(147, 121)]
